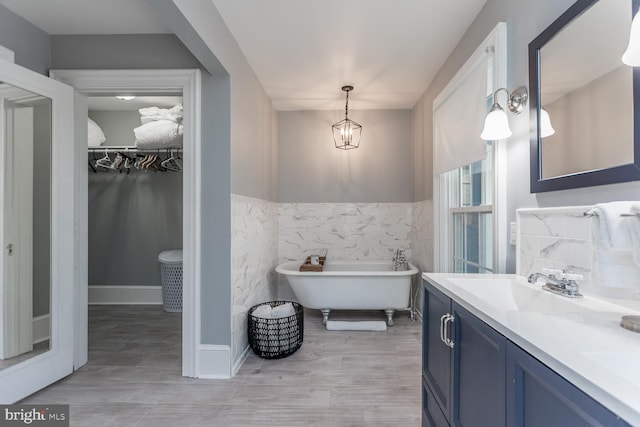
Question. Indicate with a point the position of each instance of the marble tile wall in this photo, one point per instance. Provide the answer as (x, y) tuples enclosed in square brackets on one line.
[(554, 238), (254, 247), (421, 244), (347, 230)]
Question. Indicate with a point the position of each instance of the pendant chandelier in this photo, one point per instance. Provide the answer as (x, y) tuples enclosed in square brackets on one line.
[(346, 133)]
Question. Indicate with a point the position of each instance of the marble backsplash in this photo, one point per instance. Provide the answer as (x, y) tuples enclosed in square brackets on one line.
[(554, 238), (355, 231)]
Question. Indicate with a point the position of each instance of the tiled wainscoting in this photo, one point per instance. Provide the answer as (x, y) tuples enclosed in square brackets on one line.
[(254, 254), (554, 238), (421, 244), (267, 233)]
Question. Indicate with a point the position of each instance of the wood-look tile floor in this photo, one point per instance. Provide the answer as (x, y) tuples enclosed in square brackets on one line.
[(337, 378)]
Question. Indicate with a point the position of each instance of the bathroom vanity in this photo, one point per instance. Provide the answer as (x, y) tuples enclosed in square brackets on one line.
[(498, 351)]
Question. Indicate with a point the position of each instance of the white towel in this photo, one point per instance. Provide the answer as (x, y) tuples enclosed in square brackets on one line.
[(634, 227), (159, 134), (284, 310), (615, 273), (95, 136), (150, 114), (365, 325), (263, 312), (609, 226)]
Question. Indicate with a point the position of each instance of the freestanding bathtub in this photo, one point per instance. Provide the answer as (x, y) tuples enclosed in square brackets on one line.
[(351, 285)]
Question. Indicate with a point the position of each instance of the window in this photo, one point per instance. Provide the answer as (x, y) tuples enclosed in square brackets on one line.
[(469, 190), (471, 213)]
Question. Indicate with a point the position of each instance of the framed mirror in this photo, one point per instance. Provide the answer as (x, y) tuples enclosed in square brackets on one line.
[(585, 117)]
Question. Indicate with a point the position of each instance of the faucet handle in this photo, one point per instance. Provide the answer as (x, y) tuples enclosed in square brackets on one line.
[(553, 272), (573, 276)]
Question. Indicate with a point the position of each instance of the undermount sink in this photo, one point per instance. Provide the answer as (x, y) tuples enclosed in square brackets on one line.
[(518, 295)]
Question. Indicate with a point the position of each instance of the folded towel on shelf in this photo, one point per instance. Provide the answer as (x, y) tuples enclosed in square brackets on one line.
[(150, 114), (365, 325), (609, 228), (95, 135), (159, 134)]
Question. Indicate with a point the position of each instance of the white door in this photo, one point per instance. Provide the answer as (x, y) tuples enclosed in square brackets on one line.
[(38, 263)]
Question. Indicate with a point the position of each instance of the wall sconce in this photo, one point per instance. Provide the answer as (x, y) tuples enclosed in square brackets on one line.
[(496, 124), (545, 124), (631, 56), (346, 133)]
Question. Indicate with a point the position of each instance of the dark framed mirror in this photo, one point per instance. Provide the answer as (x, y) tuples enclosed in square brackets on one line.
[(578, 81)]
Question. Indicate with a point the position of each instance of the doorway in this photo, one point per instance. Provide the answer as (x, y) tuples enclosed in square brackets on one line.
[(150, 83)]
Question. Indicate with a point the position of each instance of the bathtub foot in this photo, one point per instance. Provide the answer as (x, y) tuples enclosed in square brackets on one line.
[(389, 313), (325, 315)]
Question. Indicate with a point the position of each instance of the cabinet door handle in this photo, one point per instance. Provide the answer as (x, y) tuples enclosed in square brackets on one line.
[(447, 339), (443, 319)]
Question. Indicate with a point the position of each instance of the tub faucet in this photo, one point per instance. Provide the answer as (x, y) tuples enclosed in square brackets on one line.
[(561, 282), (400, 261)]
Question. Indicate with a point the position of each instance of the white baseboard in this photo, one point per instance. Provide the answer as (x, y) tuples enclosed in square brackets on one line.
[(240, 361), (122, 294), (214, 361), (41, 328)]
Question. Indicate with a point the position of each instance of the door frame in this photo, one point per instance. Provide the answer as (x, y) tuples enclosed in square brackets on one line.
[(108, 82)]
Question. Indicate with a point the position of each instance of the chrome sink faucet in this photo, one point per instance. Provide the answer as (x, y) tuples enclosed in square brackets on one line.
[(561, 282), (400, 262)]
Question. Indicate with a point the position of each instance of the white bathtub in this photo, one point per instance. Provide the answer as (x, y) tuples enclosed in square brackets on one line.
[(351, 285)]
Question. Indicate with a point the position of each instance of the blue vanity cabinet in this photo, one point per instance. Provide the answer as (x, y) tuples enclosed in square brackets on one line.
[(463, 382), (437, 357), (539, 397)]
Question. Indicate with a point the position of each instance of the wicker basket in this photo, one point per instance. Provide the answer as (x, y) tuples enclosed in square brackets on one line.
[(276, 338)]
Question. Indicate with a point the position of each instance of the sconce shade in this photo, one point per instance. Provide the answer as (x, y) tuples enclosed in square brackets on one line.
[(346, 133), (496, 124), (545, 124), (631, 56)]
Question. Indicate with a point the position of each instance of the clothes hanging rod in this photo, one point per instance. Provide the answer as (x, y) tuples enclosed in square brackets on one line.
[(115, 149)]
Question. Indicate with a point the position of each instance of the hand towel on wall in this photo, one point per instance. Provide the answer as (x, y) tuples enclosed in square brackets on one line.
[(609, 226), (615, 273), (159, 134), (634, 227)]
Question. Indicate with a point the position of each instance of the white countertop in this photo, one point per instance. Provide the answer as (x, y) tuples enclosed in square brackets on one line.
[(579, 339)]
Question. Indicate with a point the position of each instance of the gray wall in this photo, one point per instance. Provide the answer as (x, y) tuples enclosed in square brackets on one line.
[(132, 218), (117, 126), (29, 43), (41, 208), (147, 51), (525, 20), (311, 169)]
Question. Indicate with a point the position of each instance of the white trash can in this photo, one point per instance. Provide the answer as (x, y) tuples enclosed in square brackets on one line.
[(171, 277)]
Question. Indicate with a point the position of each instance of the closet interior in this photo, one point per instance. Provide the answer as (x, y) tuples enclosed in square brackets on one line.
[(135, 196)]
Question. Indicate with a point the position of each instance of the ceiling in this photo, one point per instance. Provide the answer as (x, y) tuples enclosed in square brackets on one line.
[(303, 52)]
